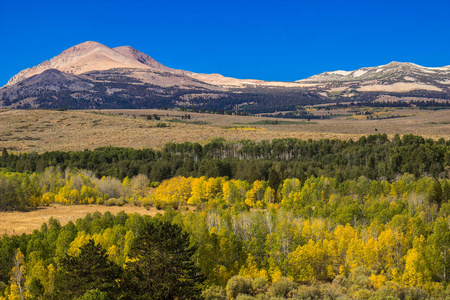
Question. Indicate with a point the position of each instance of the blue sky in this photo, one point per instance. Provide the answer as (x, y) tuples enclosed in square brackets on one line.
[(270, 40)]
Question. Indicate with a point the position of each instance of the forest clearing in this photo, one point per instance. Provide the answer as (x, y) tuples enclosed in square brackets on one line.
[(25, 222)]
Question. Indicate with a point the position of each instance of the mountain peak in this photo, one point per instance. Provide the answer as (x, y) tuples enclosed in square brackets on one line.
[(145, 59), (394, 71), (396, 64), (82, 58)]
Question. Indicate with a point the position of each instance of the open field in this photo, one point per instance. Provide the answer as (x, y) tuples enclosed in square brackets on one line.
[(43, 130), (26, 222)]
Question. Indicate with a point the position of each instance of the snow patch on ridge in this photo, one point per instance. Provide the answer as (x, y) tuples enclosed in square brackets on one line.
[(339, 72)]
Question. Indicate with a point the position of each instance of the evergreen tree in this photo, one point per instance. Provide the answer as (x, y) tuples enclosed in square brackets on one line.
[(435, 194), (91, 269), (161, 265), (274, 179)]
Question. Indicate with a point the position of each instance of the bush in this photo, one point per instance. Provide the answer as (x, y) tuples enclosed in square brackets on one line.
[(161, 124), (282, 287), (239, 285), (340, 281), (245, 297), (94, 295), (155, 184), (260, 285), (115, 202), (214, 293), (310, 293), (396, 291)]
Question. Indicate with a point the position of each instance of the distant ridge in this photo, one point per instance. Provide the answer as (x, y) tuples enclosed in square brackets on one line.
[(391, 70), (92, 75)]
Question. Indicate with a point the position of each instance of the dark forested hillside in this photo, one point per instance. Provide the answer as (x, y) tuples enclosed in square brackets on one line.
[(374, 156)]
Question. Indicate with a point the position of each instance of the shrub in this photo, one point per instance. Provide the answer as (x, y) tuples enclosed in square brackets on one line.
[(214, 293), (115, 201), (239, 285), (260, 285), (155, 184), (245, 297), (94, 295), (282, 287)]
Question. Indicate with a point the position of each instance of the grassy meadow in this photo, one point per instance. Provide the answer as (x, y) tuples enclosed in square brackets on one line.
[(44, 130)]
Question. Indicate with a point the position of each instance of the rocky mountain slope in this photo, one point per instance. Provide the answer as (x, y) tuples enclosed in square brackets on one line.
[(395, 77), (92, 75)]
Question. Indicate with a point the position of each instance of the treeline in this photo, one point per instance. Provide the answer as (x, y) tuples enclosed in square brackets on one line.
[(24, 191), (100, 257), (421, 104), (374, 156), (309, 239)]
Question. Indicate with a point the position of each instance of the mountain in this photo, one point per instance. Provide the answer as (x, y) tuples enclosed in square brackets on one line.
[(395, 77), (82, 58), (92, 75), (143, 58)]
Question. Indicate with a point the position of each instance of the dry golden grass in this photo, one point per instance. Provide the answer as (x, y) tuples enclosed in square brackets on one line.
[(26, 222), (41, 130)]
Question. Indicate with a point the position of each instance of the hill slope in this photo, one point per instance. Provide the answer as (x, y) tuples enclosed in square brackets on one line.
[(92, 75)]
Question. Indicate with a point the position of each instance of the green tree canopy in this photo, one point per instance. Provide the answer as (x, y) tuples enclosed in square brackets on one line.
[(90, 270), (161, 265)]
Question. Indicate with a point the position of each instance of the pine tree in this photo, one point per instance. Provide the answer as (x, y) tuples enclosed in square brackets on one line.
[(161, 265), (91, 269)]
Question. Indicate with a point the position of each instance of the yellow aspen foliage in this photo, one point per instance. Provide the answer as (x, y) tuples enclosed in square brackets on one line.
[(221, 274), (355, 254), (371, 258), (51, 275), (308, 262), (250, 269), (342, 271), (289, 185), (333, 258), (81, 240), (330, 272), (88, 194), (269, 195), (47, 198), (412, 276), (128, 241), (256, 193), (196, 191), (126, 182), (17, 277), (417, 272), (39, 271), (377, 281), (229, 192), (173, 192), (113, 253), (274, 271), (342, 235), (392, 245), (318, 229), (306, 230), (249, 203), (14, 292), (334, 198), (395, 275), (211, 187)]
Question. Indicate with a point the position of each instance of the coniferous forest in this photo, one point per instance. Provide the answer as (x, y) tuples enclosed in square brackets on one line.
[(282, 219)]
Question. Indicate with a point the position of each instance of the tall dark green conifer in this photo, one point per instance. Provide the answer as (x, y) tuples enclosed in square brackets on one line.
[(161, 266), (90, 270)]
